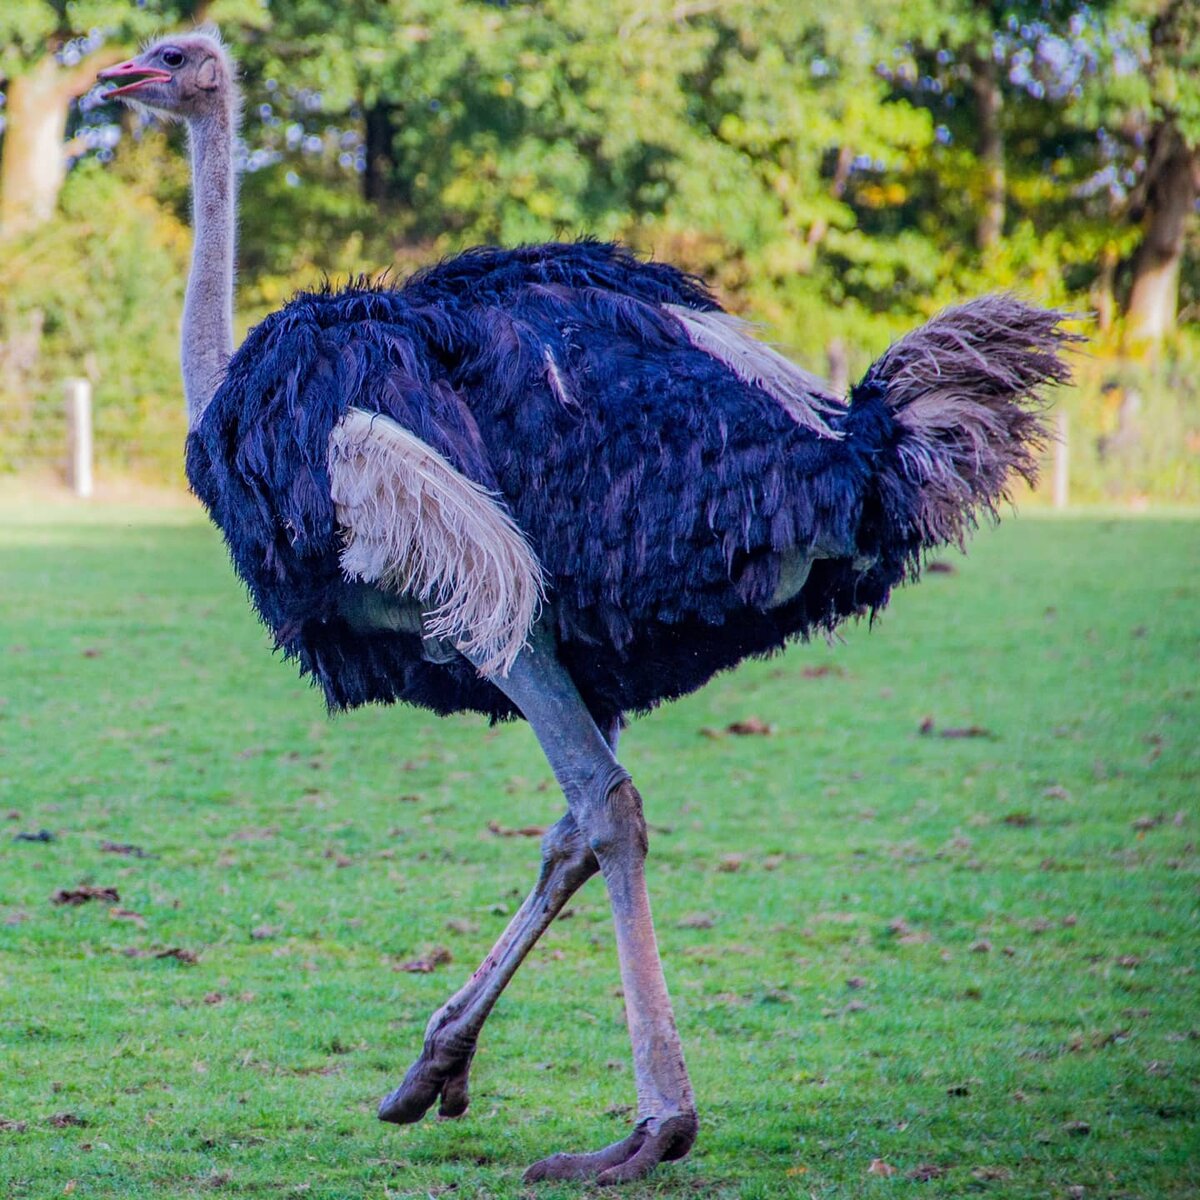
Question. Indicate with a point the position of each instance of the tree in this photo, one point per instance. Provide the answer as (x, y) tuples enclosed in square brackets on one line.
[(1165, 201), (986, 64)]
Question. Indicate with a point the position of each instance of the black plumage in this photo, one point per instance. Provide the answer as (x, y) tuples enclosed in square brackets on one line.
[(656, 487)]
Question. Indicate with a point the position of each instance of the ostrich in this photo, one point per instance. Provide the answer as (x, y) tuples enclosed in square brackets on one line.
[(561, 483)]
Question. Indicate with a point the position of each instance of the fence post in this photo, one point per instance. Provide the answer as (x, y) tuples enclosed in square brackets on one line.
[(79, 424), (1061, 461)]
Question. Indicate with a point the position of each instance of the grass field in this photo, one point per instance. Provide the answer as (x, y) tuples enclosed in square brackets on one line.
[(972, 958)]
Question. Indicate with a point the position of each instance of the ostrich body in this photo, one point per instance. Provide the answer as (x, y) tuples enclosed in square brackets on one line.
[(561, 483)]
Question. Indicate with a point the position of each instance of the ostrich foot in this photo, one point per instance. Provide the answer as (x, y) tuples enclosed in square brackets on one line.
[(653, 1141), (445, 1061), (442, 1069)]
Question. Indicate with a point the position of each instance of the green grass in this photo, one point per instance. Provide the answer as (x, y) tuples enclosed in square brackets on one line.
[(927, 950)]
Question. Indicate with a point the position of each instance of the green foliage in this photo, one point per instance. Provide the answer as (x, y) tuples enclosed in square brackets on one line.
[(32, 29), (97, 292), (1134, 430), (974, 952), (818, 165), (324, 226)]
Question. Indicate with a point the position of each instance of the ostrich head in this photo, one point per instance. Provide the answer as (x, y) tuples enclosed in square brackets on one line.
[(189, 77)]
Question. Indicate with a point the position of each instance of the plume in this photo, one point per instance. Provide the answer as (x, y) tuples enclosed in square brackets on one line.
[(967, 391), (415, 526)]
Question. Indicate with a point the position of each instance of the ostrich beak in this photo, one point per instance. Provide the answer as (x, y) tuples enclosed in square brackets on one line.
[(136, 75)]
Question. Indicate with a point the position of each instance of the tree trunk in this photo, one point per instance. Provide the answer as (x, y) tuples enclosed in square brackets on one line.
[(989, 146), (32, 169), (1171, 191), (1103, 290), (837, 189), (33, 166), (380, 130)]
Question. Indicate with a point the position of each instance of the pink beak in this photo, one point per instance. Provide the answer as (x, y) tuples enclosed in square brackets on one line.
[(137, 76)]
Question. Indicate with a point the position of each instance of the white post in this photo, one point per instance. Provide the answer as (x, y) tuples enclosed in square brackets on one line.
[(79, 423), (1061, 457)]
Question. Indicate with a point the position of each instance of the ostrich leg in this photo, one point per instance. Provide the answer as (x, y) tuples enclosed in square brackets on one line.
[(444, 1065), (608, 810)]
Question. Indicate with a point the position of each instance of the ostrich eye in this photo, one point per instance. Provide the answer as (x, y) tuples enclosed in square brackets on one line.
[(173, 58)]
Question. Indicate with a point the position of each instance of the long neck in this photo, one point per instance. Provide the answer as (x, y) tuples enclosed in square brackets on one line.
[(208, 306)]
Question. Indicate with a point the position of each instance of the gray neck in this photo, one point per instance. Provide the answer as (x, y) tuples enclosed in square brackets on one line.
[(208, 306)]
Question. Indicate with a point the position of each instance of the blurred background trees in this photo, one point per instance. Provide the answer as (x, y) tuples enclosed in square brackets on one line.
[(839, 172)]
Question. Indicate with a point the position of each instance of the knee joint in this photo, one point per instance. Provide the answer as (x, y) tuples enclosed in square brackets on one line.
[(617, 823), (564, 846)]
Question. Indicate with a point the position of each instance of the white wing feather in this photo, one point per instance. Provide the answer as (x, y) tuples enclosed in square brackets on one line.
[(415, 526)]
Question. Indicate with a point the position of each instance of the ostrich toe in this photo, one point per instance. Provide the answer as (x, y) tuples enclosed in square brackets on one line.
[(653, 1141), (442, 1069)]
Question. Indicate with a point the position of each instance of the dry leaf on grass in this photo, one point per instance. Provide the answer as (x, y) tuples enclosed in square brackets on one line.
[(425, 965), (924, 1172), (822, 671), (127, 914), (525, 831), (178, 952), (927, 727), (84, 893), (64, 1120), (879, 1167), (991, 1174), (255, 833), (750, 727), (126, 848)]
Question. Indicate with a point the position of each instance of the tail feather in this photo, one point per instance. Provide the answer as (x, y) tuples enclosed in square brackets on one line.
[(966, 394)]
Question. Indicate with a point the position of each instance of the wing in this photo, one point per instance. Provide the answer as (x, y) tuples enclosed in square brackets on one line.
[(415, 526)]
